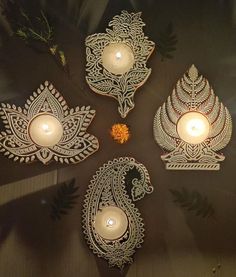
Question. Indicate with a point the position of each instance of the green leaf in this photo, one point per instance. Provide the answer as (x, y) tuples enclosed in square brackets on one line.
[(34, 28), (36, 31), (21, 34), (64, 200), (193, 201)]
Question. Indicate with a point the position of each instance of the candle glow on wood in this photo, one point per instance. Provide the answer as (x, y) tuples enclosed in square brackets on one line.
[(193, 127), (111, 223), (117, 58), (45, 130)]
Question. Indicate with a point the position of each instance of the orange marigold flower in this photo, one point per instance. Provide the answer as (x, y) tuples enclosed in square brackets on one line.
[(120, 133)]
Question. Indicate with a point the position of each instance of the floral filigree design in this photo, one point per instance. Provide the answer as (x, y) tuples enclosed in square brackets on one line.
[(108, 188), (75, 145), (192, 93), (126, 28)]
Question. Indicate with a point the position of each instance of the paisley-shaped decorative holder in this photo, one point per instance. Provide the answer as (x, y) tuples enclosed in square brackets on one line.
[(192, 125), (116, 60), (46, 129), (113, 226)]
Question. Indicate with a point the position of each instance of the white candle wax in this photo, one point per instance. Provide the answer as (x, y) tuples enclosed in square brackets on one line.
[(117, 58), (111, 223), (45, 130), (193, 127)]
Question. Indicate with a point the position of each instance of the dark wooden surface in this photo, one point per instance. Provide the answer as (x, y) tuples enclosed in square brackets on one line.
[(177, 243)]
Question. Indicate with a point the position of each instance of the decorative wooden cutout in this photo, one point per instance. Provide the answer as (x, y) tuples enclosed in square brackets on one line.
[(75, 144), (109, 188), (192, 93), (126, 29)]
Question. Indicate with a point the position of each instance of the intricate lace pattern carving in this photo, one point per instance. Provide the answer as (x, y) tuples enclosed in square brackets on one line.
[(75, 145), (126, 28), (108, 188), (192, 93)]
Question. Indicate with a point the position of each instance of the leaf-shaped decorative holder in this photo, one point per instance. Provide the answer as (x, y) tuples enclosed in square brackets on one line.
[(109, 190), (192, 125), (46, 129), (116, 60)]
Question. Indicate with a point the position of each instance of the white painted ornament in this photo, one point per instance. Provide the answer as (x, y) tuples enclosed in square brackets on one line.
[(46, 129), (116, 60), (113, 226), (193, 125)]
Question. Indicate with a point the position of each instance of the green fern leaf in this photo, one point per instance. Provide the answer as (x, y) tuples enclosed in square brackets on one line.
[(193, 201), (64, 200)]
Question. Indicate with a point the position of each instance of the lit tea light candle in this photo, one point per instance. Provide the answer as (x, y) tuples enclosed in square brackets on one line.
[(117, 58), (111, 223), (45, 130), (193, 127)]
